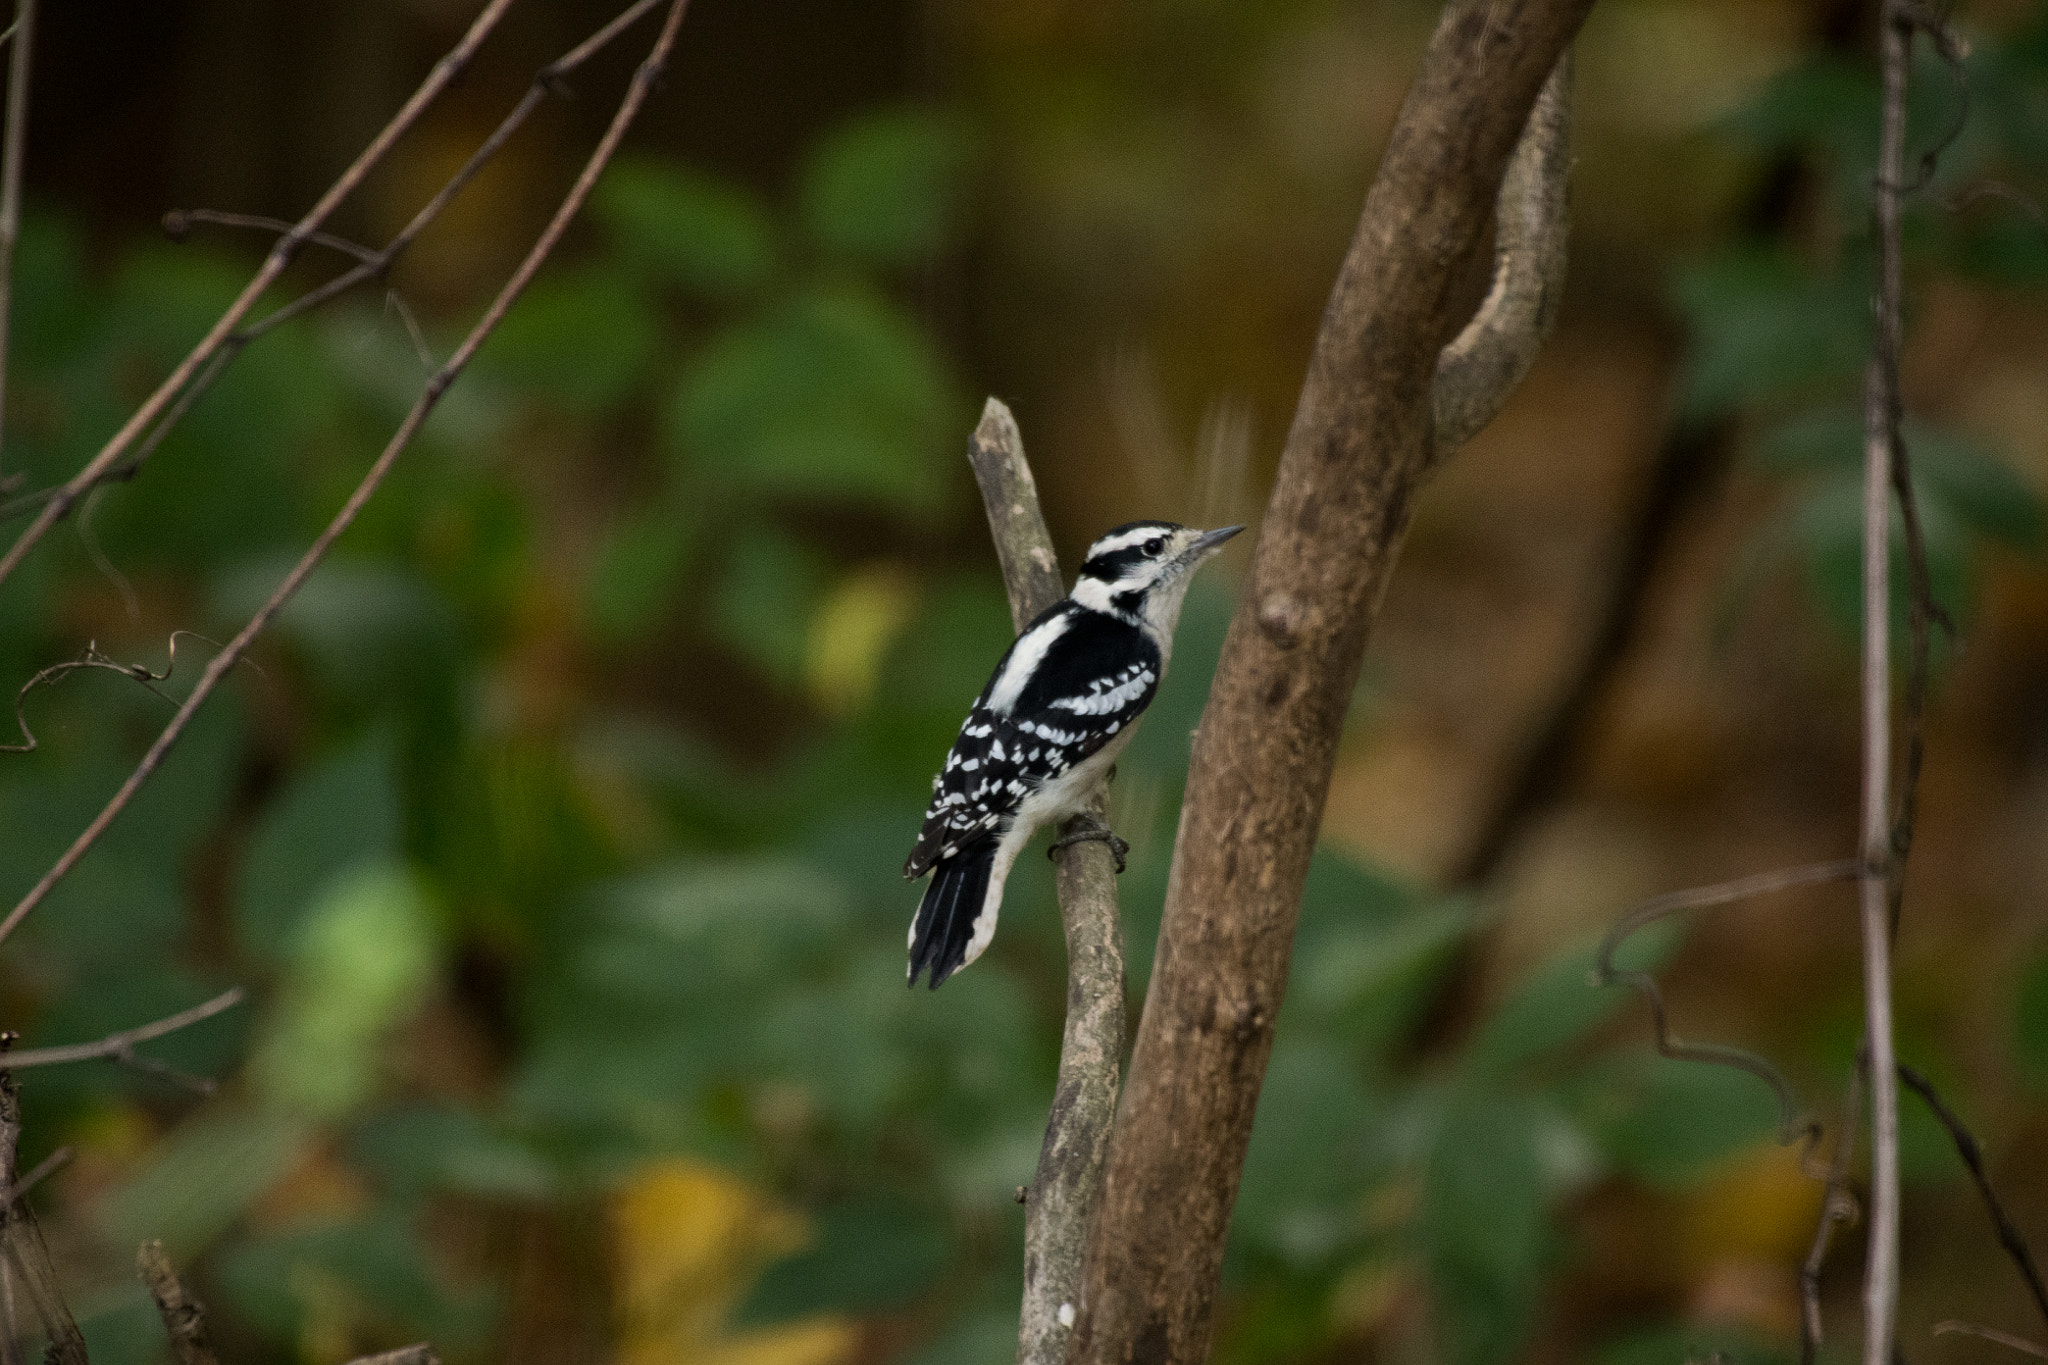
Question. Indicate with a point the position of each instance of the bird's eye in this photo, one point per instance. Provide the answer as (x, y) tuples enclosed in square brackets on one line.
[(1154, 545)]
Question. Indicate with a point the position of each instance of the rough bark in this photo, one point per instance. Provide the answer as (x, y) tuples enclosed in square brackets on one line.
[(1057, 1201), (1362, 438)]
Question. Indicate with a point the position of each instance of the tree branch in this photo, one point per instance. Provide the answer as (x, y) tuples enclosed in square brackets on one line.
[(437, 384), (120, 1047), (2009, 1235), (1364, 435), (184, 1316), (281, 255), (1532, 235), (1062, 1191), (1880, 437)]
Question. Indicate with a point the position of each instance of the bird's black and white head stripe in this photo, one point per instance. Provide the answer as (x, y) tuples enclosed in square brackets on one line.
[(1060, 707)]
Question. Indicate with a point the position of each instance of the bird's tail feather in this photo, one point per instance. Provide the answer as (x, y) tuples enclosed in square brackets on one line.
[(945, 917)]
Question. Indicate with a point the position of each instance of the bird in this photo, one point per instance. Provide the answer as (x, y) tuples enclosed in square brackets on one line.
[(1062, 703)]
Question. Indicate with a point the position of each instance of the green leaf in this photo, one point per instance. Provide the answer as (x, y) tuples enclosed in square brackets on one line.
[(831, 393), (1315, 1146), (1484, 1221), (750, 912), (581, 339), (363, 960), (371, 630), (1950, 472), (1827, 102), (1558, 1002), (374, 1269), (1980, 490), (707, 235), (2030, 1023), (427, 1147), (1827, 530), (1697, 1341), (887, 187), (980, 1339), (340, 814), (1763, 327), (204, 1176), (764, 602), (637, 571), (1665, 1121), (871, 1254)]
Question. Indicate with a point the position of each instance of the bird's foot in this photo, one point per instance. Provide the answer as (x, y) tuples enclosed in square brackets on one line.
[(1087, 829)]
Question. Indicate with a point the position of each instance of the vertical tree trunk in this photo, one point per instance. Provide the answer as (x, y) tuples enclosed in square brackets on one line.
[(1364, 435)]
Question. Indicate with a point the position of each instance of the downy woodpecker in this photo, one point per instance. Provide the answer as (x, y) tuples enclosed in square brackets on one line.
[(1062, 705)]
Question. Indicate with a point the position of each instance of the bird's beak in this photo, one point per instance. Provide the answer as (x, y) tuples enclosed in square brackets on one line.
[(1211, 541)]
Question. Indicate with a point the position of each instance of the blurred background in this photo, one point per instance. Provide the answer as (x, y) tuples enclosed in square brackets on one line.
[(557, 829)]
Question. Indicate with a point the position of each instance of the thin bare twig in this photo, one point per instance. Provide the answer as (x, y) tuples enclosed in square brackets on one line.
[(42, 1170), (22, 34), (370, 265), (417, 1354), (120, 1047), (1061, 1193), (1838, 1205), (430, 397), (2009, 1235), (93, 658), (281, 256), (1942, 1329), (1880, 871), (184, 1316), (1791, 1127)]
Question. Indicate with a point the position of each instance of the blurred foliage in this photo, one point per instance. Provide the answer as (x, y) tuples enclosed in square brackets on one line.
[(1779, 326), (539, 945)]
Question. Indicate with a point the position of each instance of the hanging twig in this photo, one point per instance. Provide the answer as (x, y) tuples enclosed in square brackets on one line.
[(1790, 1125), (93, 658), (22, 34), (1837, 1205), (281, 255), (430, 397), (1057, 1202), (1972, 1155)]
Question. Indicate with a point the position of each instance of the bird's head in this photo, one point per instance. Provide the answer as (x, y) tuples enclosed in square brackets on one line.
[(1140, 570)]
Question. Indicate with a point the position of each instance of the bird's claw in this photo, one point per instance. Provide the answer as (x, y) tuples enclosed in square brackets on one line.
[(1092, 831)]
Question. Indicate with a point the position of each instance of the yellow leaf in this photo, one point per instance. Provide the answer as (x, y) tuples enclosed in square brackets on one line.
[(851, 633), (689, 1240)]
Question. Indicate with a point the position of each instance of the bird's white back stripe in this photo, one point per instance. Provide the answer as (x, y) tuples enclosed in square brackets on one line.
[(1024, 660)]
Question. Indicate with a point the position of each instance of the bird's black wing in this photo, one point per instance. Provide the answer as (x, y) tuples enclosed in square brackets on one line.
[(1088, 685)]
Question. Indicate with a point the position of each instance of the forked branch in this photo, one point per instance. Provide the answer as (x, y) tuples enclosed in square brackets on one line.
[(1365, 435)]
